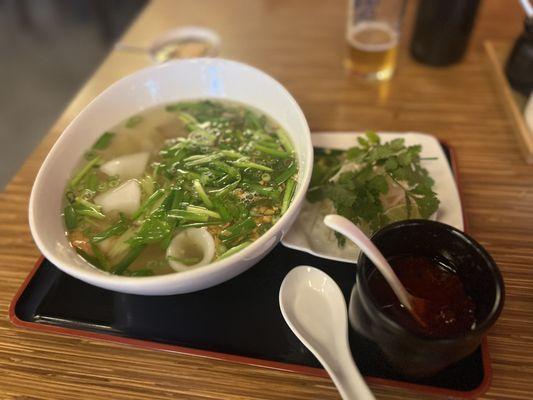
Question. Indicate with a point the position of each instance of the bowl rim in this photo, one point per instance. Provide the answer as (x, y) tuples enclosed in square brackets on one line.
[(152, 283), (364, 265)]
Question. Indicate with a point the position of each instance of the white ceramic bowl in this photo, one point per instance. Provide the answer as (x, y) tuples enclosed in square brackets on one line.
[(157, 85)]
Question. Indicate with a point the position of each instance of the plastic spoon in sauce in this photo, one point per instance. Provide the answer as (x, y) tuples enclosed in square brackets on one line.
[(314, 308), (417, 306)]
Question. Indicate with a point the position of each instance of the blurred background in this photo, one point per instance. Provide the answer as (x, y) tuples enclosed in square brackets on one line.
[(49, 48)]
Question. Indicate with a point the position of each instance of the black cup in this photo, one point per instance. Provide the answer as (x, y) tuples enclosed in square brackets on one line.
[(410, 353)]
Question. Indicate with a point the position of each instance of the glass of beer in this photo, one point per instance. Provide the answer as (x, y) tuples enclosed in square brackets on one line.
[(372, 37)]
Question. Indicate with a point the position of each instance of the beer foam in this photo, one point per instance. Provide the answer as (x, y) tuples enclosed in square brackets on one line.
[(372, 36)]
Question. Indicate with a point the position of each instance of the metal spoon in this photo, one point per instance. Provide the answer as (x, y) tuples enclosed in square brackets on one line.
[(417, 306), (314, 308)]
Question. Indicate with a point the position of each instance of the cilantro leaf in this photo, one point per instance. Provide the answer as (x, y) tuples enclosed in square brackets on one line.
[(358, 194)]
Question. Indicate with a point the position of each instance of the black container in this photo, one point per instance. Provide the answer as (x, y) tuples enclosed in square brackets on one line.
[(519, 67), (410, 353), (442, 30)]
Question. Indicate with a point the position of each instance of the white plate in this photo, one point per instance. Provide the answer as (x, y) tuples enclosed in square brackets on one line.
[(300, 237)]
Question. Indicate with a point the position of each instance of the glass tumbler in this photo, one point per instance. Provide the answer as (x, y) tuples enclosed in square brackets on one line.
[(372, 37)]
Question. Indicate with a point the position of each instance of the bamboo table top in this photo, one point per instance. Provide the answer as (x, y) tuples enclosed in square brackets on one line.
[(301, 44)]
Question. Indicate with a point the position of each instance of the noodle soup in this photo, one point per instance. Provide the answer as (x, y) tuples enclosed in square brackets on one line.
[(178, 187)]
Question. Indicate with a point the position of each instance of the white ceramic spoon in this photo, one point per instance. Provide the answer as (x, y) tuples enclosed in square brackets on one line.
[(415, 305), (314, 308)]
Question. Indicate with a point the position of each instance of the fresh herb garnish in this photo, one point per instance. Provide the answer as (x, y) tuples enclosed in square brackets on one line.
[(369, 172)]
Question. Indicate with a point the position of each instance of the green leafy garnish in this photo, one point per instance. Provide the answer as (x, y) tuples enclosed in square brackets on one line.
[(154, 229), (84, 171), (132, 122), (358, 193), (71, 217), (230, 169), (103, 141)]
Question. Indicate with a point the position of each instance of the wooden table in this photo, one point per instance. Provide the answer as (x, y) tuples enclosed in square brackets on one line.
[(301, 44)]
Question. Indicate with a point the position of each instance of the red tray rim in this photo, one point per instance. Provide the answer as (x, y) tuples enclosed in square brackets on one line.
[(311, 371)]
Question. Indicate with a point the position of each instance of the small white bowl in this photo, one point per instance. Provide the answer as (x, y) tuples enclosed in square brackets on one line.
[(157, 85)]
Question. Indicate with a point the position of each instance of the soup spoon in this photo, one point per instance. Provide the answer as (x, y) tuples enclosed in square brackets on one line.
[(314, 308), (417, 306)]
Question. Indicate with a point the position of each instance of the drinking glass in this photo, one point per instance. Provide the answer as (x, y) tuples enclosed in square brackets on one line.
[(372, 37)]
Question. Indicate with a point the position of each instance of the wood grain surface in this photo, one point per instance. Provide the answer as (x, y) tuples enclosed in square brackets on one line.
[(514, 102), (301, 44)]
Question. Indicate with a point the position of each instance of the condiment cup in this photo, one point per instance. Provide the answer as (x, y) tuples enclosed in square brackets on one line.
[(410, 353)]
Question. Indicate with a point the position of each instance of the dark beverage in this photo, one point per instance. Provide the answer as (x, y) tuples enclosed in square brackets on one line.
[(442, 30), (449, 311)]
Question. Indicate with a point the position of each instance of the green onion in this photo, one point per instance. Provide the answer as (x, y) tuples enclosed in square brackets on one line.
[(271, 151), (154, 229), (262, 190), (115, 230), (231, 154), (272, 145), (234, 250), (244, 163), (188, 174), (91, 213), (147, 185), (222, 210), (98, 254), (252, 120), (187, 118), (262, 136), (148, 203), (81, 174), (133, 121), (91, 182), (188, 215), (85, 207), (120, 245), (287, 196), (169, 200), (178, 197), (286, 174), (198, 224), (71, 218), (238, 229), (92, 259), (225, 190), (103, 141), (114, 181), (202, 137), (128, 259), (203, 160), (222, 166), (201, 193), (285, 141), (175, 107), (204, 211), (194, 157)]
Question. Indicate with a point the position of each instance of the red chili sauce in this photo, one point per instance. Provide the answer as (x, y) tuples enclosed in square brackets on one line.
[(448, 310)]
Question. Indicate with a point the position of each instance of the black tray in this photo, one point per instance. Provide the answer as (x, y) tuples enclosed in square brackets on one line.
[(238, 320)]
